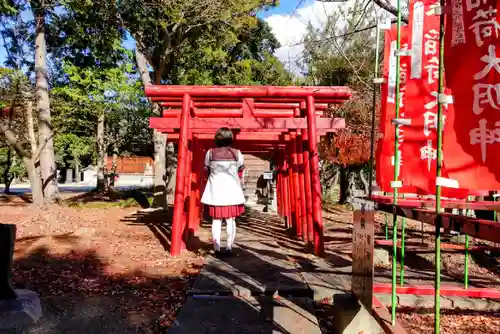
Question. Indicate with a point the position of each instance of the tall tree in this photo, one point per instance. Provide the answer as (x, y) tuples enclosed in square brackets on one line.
[(16, 125), (345, 59), (101, 103), (45, 130), (160, 30)]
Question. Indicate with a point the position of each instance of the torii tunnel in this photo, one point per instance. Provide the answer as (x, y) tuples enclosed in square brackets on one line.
[(285, 123)]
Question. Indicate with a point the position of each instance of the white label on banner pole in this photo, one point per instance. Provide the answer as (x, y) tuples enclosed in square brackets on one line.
[(448, 183), (417, 36), (396, 184)]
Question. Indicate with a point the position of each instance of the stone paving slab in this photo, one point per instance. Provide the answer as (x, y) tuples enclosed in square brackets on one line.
[(252, 269), (232, 315), (63, 315)]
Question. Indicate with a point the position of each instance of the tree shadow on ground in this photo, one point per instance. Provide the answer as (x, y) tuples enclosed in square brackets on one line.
[(486, 261), (257, 270), (268, 225), (159, 222), (80, 295), (11, 199)]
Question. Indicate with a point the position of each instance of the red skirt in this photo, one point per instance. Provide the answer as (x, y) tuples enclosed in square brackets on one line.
[(221, 212)]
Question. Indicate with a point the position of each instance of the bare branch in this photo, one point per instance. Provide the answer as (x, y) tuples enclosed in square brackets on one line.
[(385, 5)]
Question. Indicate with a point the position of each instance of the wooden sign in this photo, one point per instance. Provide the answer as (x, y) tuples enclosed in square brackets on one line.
[(362, 252)]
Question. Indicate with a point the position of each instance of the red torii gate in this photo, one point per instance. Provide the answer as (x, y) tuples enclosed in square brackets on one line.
[(265, 119)]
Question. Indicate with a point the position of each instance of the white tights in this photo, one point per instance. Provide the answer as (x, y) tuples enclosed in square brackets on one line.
[(230, 230)]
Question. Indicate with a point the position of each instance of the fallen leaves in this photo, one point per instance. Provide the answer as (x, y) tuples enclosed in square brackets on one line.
[(76, 253), (483, 271), (475, 323)]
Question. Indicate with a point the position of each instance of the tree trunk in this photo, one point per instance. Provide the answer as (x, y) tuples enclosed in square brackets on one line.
[(113, 164), (7, 179), (171, 171), (35, 181), (47, 158), (115, 158), (364, 180), (33, 175), (344, 184), (77, 172), (159, 140), (101, 153), (30, 124)]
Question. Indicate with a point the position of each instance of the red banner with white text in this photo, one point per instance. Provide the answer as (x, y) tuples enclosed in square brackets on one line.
[(473, 74), (385, 142), (420, 151)]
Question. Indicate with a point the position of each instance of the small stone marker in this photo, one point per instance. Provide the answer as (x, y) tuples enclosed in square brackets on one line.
[(18, 308)]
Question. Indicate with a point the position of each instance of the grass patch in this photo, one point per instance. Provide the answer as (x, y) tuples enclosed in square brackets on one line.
[(112, 199), (122, 203)]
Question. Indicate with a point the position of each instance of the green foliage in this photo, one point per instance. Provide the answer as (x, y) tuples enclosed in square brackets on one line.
[(87, 34), (214, 60), (7, 7), (164, 33), (70, 149), (11, 167), (91, 91)]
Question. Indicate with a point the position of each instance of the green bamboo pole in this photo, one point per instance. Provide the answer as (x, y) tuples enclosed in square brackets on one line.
[(402, 264), (374, 108), (466, 259), (396, 169), (439, 163), (386, 226), (466, 264), (494, 211)]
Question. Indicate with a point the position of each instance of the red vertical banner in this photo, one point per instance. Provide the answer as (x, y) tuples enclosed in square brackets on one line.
[(473, 74), (385, 143), (420, 151)]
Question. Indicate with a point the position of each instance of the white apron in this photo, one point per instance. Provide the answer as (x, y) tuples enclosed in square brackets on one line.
[(223, 187)]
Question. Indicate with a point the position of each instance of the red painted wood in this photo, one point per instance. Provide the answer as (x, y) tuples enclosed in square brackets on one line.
[(291, 187), (445, 203), (300, 170), (252, 138), (478, 248), (239, 105), (312, 126), (449, 291), (286, 191), (476, 228), (308, 192), (296, 184), (180, 195), (327, 92), (300, 101), (250, 124), (234, 113)]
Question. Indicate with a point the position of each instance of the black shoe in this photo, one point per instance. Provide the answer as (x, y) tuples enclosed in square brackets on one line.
[(218, 253), (228, 252)]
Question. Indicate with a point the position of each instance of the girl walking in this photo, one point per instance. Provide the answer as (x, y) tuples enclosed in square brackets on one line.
[(224, 193)]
